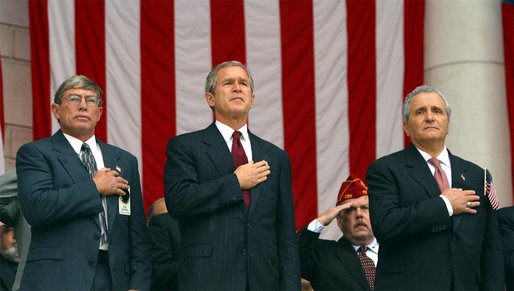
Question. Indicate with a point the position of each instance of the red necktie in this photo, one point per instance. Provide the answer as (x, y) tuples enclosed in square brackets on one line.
[(439, 175), (368, 266), (239, 158)]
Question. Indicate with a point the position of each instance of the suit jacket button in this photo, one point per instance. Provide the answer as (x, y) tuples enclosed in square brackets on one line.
[(244, 252), (249, 225)]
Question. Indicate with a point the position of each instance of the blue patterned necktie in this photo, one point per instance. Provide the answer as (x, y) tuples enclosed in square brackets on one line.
[(88, 160), (239, 158)]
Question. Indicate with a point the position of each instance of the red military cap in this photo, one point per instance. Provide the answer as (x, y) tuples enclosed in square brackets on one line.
[(351, 188)]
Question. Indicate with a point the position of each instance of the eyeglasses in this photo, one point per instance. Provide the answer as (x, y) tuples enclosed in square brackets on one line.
[(76, 99)]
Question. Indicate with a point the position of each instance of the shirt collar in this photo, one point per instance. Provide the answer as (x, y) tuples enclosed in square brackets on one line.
[(373, 246), (443, 157), (76, 143), (226, 131)]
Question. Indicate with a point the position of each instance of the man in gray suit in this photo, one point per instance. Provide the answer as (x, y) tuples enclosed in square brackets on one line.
[(10, 213), (88, 225), (236, 216)]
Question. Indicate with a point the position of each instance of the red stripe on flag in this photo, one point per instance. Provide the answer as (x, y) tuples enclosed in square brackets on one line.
[(413, 43), (508, 50), (158, 106), (361, 84), (90, 50), (40, 68), (228, 31), (299, 111)]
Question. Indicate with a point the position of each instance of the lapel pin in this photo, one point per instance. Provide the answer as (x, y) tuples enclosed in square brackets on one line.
[(462, 177), (118, 169)]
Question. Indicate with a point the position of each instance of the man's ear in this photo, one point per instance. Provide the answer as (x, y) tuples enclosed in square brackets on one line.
[(100, 111), (253, 98), (405, 129), (210, 99), (339, 220), (55, 111)]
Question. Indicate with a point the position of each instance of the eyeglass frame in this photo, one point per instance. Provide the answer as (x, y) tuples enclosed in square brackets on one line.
[(96, 102)]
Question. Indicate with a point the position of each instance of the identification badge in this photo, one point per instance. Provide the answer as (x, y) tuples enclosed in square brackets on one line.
[(124, 203)]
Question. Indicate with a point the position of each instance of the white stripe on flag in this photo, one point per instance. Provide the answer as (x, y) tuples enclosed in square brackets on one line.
[(123, 75), (264, 62), (192, 63), (390, 68), (61, 22), (332, 141)]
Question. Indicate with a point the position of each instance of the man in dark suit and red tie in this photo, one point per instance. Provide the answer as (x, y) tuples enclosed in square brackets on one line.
[(232, 195), (436, 228), (349, 263)]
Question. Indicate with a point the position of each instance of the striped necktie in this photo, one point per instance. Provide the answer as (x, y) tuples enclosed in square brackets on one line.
[(88, 160)]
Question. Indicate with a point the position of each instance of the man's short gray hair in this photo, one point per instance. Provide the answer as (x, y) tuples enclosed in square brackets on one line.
[(423, 89), (78, 82)]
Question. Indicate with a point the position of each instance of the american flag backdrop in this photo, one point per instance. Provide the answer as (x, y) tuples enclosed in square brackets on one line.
[(2, 121), (330, 76), (508, 51)]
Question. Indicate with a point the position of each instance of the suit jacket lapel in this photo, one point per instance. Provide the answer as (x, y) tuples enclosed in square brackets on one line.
[(217, 150), (68, 157), (350, 260), (459, 173), (420, 171), (259, 153), (111, 160), (70, 160)]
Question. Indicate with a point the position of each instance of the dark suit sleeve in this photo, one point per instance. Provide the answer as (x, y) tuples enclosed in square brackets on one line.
[(506, 225), (9, 209), (306, 244), (47, 193), (164, 257), (491, 263), (140, 263), (286, 232)]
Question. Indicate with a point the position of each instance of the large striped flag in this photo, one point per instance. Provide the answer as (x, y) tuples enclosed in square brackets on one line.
[(330, 76), (508, 49), (2, 121)]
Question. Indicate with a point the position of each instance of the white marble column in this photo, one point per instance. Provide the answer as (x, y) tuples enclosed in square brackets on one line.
[(464, 58)]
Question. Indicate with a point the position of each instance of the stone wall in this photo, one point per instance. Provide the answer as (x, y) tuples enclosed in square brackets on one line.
[(15, 54)]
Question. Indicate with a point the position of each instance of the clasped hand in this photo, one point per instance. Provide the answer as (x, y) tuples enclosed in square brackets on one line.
[(109, 182), (251, 174), (462, 201)]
